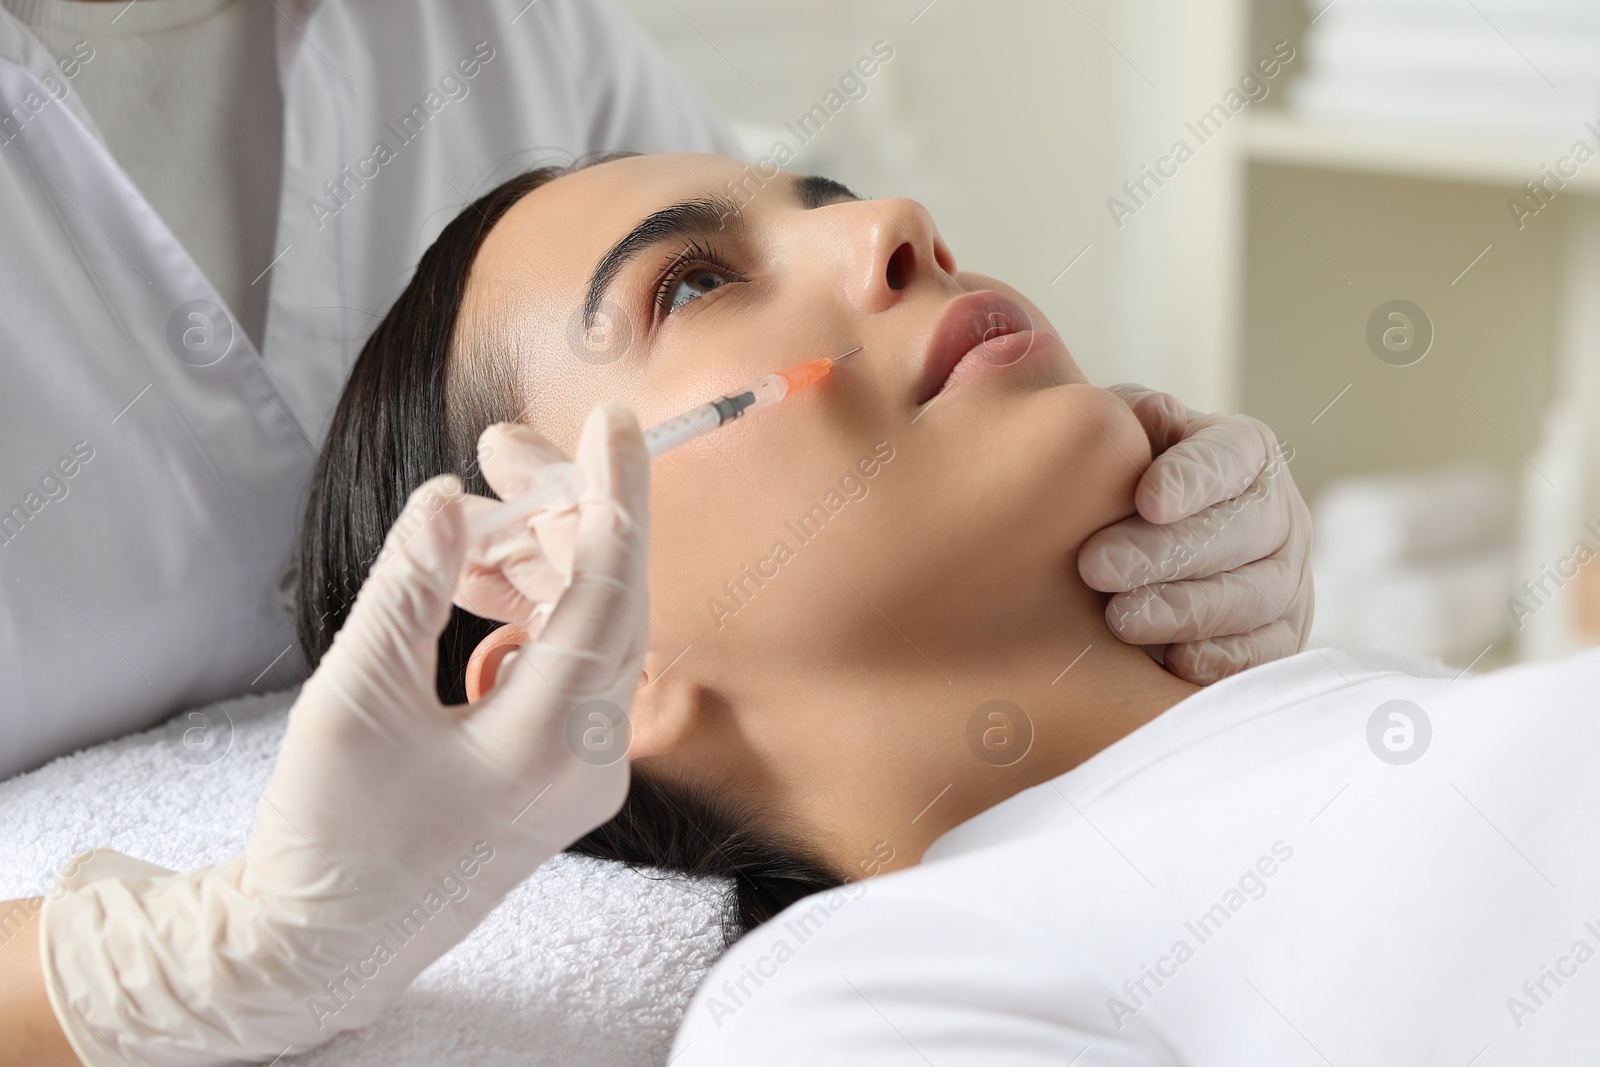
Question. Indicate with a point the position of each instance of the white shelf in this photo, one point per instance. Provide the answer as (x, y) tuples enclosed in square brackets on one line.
[(1482, 159)]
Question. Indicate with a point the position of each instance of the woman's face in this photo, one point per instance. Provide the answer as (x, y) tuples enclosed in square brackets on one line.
[(867, 524)]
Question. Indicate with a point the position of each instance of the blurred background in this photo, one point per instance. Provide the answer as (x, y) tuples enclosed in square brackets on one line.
[(1373, 224)]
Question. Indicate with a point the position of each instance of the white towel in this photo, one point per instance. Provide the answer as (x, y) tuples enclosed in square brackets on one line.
[(1445, 608), (586, 963), (1463, 45), (1531, 112), (1532, 68), (1499, 11), (1375, 520)]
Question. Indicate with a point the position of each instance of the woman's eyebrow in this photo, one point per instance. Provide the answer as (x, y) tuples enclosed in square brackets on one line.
[(814, 191), (697, 217)]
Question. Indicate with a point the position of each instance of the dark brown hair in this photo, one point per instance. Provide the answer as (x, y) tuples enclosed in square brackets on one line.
[(405, 416)]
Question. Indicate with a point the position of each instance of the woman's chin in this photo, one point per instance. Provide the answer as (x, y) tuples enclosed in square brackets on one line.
[(1010, 496), (1079, 453)]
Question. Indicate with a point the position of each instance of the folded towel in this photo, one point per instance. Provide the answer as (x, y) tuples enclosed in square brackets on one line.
[(1455, 48), (586, 963), (1526, 67), (1544, 11), (1375, 520), (1400, 101), (1445, 608)]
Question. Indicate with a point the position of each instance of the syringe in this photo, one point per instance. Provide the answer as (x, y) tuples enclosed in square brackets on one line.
[(557, 485)]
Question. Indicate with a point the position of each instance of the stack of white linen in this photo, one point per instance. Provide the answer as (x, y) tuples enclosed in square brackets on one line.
[(1418, 563), (1518, 65)]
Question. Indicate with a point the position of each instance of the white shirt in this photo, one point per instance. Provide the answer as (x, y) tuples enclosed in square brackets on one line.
[(185, 92), (152, 476), (1240, 881)]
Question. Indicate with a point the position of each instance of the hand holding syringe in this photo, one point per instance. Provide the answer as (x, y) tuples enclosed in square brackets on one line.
[(557, 485), (371, 716)]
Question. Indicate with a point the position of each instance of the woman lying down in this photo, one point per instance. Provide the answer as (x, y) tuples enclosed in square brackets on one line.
[(984, 830)]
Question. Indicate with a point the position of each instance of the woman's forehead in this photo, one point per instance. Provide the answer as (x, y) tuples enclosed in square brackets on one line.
[(571, 221)]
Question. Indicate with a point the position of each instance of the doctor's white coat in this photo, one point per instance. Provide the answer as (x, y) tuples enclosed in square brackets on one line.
[(153, 464)]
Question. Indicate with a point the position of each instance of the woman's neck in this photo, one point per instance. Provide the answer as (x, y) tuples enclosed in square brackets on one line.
[(945, 732)]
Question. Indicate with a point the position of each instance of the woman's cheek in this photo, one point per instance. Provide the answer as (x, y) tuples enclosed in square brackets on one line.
[(684, 550), (713, 551)]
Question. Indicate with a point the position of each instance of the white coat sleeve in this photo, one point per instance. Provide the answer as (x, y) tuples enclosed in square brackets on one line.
[(854, 977), (635, 97)]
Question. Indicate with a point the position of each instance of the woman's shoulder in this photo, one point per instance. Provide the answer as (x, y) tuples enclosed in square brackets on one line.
[(904, 946)]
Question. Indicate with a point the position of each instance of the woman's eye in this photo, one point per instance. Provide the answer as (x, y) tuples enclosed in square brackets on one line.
[(695, 283)]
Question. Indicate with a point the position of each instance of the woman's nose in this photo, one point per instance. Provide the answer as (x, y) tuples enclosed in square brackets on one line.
[(895, 246)]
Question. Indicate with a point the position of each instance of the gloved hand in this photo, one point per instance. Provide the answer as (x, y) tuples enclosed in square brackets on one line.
[(392, 824), (1217, 564), (509, 575)]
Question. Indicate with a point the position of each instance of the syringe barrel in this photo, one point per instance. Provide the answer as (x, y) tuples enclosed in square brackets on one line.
[(665, 436), (764, 392)]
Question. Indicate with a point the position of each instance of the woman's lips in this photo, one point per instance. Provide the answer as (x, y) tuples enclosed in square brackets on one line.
[(979, 332)]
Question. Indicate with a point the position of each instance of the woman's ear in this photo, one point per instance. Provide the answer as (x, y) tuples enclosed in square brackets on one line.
[(666, 708)]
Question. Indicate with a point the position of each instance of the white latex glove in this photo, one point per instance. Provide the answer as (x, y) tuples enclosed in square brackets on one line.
[(392, 824), (1217, 564), (510, 575)]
